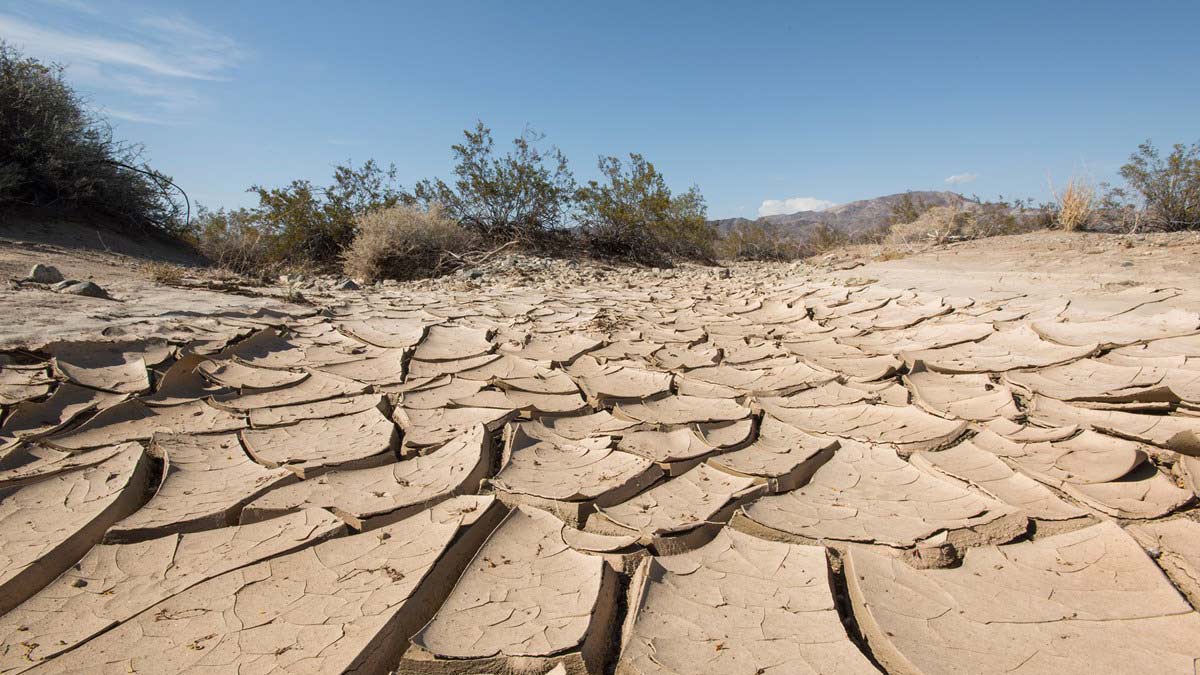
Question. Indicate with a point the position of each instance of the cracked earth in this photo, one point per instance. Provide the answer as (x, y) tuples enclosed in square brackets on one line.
[(979, 459)]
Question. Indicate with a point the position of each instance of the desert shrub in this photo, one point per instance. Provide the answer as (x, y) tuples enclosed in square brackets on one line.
[(824, 238), (632, 214), (935, 226), (405, 242), (1169, 186), (907, 209), (306, 223), (976, 219), (55, 152), (523, 194), (233, 241), (1075, 205), (759, 240)]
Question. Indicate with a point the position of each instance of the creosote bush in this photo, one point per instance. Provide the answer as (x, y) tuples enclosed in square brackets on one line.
[(233, 241), (632, 214), (759, 240), (1169, 187), (405, 242)]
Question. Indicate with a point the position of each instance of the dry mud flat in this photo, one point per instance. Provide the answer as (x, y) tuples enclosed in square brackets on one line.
[(574, 471)]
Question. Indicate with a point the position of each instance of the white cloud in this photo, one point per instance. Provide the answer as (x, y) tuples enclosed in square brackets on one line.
[(960, 178), (776, 207), (158, 63)]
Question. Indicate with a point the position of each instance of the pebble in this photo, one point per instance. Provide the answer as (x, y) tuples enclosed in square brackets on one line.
[(86, 288), (44, 274)]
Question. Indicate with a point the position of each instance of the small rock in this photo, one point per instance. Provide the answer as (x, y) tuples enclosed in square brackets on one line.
[(474, 274), (1126, 264), (86, 288), (346, 285), (44, 274), (725, 273)]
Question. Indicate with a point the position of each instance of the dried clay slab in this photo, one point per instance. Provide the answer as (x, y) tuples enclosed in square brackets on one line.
[(206, 481), (907, 427), (1120, 331), (970, 397), (45, 527), (1175, 546), (316, 387), (369, 498), (681, 513), (424, 429), (69, 402), (21, 383), (739, 605), (866, 494), (678, 449), (1088, 601), (182, 383), (347, 604), (236, 375), (568, 478), (135, 421), (26, 464), (984, 472), (783, 456), (1005, 350), (682, 410), (525, 603), (1092, 380), (310, 447), (1108, 474), (118, 367), (115, 582), (450, 343), (1174, 432), (333, 407)]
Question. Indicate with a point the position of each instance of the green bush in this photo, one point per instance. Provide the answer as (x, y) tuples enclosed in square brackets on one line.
[(1169, 186), (524, 194), (312, 224), (759, 240), (634, 215)]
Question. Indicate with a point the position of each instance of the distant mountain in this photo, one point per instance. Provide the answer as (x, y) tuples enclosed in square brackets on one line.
[(850, 218)]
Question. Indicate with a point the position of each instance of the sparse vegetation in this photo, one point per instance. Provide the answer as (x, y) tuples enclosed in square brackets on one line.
[(56, 153), (406, 242), (632, 214), (314, 224), (908, 209), (163, 272), (759, 240), (1169, 187), (233, 241), (523, 194), (1075, 205)]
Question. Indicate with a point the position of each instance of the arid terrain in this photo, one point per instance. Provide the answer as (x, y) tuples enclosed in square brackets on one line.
[(975, 458)]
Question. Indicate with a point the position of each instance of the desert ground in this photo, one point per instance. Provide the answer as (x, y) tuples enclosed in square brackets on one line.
[(974, 458)]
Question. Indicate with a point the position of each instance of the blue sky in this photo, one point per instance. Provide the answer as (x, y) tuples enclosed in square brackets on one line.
[(765, 106)]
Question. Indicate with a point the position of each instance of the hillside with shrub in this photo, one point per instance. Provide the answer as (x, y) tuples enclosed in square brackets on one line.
[(58, 156)]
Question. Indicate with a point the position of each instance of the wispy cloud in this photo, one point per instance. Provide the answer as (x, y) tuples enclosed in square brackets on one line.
[(960, 178), (159, 64), (776, 207)]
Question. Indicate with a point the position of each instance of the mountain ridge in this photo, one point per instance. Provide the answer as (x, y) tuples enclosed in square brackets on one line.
[(851, 217)]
